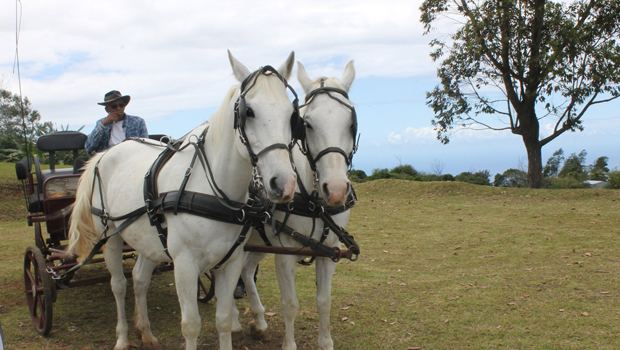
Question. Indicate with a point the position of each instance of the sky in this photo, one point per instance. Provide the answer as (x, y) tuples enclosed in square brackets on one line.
[(171, 58)]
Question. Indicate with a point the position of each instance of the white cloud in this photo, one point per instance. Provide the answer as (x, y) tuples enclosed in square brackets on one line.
[(71, 53), (427, 135), (413, 136)]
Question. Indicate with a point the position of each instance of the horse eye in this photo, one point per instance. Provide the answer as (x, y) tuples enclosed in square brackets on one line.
[(307, 125), (249, 112)]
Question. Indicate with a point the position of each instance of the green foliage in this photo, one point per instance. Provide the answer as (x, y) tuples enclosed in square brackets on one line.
[(405, 172), (574, 167), (357, 176), (379, 173), (563, 183), (552, 167), (405, 169), (447, 177), (511, 178), (477, 178), (571, 173), (599, 170), (18, 135), (613, 180), (506, 60)]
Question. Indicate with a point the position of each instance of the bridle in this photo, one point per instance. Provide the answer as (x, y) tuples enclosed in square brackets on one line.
[(300, 132), (242, 112)]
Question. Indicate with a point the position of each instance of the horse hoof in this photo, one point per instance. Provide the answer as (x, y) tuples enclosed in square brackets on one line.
[(237, 336), (257, 334)]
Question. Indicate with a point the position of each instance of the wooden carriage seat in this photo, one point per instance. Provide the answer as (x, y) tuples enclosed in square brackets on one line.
[(51, 143)]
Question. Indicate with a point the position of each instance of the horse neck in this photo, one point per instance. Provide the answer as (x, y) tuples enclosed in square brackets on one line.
[(231, 172)]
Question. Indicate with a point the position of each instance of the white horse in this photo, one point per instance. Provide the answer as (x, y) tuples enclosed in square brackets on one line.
[(330, 128), (232, 144)]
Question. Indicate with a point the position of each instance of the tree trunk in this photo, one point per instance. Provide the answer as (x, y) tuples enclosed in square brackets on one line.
[(534, 163)]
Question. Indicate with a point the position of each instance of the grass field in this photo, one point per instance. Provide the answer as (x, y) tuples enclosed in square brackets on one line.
[(443, 266)]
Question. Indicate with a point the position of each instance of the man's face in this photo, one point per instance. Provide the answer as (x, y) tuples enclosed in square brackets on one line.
[(116, 108)]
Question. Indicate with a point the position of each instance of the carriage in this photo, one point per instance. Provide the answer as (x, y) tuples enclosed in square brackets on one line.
[(49, 195)]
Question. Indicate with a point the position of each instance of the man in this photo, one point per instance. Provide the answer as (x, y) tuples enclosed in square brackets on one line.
[(116, 126)]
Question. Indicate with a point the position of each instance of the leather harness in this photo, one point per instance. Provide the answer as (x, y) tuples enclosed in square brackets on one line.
[(253, 213)]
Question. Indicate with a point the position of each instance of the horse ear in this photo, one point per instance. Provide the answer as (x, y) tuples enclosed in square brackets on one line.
[(348, 76), (303, 78), (240, 71), (286, 68)]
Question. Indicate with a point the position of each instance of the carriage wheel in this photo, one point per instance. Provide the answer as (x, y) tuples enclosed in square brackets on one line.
[(205, 294), (38, 236), (39, 290)]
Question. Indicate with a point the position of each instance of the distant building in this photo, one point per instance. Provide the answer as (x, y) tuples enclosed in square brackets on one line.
[(596, 183)]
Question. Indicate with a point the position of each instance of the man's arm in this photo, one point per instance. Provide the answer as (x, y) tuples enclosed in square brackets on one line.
[(98, 138)]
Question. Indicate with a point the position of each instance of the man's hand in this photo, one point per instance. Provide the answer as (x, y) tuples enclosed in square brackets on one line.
[(115, 115)]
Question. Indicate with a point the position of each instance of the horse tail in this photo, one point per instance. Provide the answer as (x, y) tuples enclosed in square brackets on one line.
[(82, 233)]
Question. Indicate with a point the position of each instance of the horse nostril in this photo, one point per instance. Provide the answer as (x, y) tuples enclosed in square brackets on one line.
[(275, 189), (325, 190)]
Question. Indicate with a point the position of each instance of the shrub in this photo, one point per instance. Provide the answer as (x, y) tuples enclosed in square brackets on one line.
[(404, 169), (511, 178), (613, 179), (447, 177), (477, 178), (357, 176), (379, 174), (563, 183)]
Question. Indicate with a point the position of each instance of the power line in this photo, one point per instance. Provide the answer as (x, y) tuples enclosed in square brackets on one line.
[(18, 25)]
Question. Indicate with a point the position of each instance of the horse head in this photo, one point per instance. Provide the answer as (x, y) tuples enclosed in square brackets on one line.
[(329, 132), (262, 119)]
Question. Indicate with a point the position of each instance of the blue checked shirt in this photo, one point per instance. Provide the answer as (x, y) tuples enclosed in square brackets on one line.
[(99, 138)]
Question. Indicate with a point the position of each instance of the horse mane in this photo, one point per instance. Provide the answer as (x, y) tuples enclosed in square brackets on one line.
[(218, 118)]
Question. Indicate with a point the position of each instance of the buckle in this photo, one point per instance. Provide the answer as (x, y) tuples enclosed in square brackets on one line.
[(267, 217), (242, 218), (311, 206), (250, 202), (147, 204)]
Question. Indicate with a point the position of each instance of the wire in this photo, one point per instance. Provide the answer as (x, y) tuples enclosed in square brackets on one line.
[(18, 25)]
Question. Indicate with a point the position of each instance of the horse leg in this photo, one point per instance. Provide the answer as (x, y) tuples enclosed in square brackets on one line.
[(226, 277), (142, 272), (285, 270), (259, 327), (186, 276), (113, 258), (324, 271)]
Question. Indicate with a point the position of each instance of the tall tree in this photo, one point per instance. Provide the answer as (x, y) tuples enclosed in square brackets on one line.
[(575, 166), (17, 133), (552, 167), (599, 170), (518, 61)]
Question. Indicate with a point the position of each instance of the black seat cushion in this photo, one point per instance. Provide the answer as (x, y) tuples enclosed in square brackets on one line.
[(62, 141), (36, 203)]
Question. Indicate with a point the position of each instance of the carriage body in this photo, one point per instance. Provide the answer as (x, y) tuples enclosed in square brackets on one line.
[(49, 195)]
